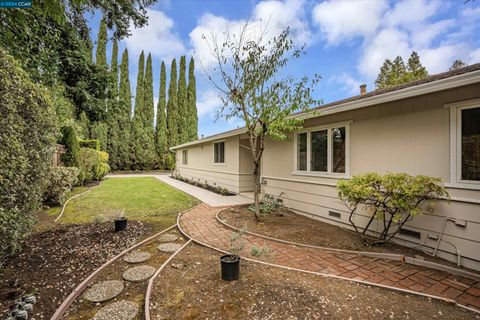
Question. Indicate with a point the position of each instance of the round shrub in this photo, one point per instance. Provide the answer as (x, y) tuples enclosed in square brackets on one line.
[(27, 139), (61, 182), (93, 165)]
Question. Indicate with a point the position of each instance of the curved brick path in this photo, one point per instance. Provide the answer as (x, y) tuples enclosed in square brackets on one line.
[(201, 225)]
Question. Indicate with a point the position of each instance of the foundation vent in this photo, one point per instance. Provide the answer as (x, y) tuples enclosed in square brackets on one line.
[(334, 214), (410, 233)]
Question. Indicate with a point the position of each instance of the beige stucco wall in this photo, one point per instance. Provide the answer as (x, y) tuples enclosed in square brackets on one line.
[(412, 136), (201, 167)]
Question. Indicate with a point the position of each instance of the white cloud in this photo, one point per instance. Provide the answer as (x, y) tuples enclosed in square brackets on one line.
[(424, 35), (474, 56), (157, 37), (343, 20), (347, 83), (208, 103), (440, 59), (411, 13), (268, 17)]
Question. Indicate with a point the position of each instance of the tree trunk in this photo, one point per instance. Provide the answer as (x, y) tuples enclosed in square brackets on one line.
[(257, 189)]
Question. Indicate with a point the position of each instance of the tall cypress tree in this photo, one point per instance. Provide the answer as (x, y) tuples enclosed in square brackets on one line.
[(183, 119), (139, 96), (101, 54), (192, 102), (383, 77), (113, 117), (172, 107), (398, 74), (161, 127), (124, 116), (136, 143), (148, 106)]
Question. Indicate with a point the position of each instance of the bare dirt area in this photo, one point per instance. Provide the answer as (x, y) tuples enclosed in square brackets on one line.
[(297, 228), (191, 288), (52, 263)]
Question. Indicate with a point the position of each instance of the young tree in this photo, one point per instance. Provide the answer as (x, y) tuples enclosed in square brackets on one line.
[(415, 69), (172, 107), (192, 102), (101, 54), (161, 127), (183, 125), (457, 64), (248, 78)]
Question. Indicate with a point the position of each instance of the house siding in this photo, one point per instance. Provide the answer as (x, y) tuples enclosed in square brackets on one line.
[(410, 135)]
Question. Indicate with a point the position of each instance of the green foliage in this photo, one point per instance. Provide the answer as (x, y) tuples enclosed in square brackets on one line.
[(182, 104), (60, 183), (99, 131), (254, 90), (93, 165), (161, 127), (63, 106), (123, 157), (260, 251), (147, 114), (91, 143), (84, 124), (114, 70), (457, 64), (27, 138), (236, 243), (101, 53), (172, 107), (393, 199), (139, 96), (70, 141), (396, 73), (192, 103)]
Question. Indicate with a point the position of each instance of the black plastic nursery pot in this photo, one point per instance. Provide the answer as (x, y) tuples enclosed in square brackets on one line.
[(120, 225), (230, 266)]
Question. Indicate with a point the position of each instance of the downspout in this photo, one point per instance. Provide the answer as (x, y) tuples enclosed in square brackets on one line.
[(440, 239)]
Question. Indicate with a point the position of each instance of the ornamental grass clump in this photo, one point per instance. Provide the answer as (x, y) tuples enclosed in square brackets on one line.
[(391, 199)]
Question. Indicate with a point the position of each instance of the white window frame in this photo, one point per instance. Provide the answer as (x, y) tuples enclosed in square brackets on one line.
[(328, 173), (456, 144), (185, 158), (224, 153)]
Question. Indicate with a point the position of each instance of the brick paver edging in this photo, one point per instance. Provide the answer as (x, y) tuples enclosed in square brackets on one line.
[(351, 277), (81, 287), (388, 256), (152, 279)]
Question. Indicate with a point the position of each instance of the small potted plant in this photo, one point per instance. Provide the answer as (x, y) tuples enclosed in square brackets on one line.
[(230, 263), (120, 221)]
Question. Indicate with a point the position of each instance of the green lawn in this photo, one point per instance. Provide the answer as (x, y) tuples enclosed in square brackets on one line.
[(141, 198)]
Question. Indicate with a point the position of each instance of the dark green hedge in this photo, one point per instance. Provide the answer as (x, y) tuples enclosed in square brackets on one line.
[(27, 142), (92, 144)]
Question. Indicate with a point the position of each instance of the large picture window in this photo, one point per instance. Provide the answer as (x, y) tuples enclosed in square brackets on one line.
[(470, 144), (219, 152), (322, 150)]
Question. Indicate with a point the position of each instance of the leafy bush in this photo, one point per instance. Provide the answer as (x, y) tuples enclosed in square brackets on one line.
[(62, 180), (27, 139), (93, 165), (393, 199), (70, 141), (92, 144)]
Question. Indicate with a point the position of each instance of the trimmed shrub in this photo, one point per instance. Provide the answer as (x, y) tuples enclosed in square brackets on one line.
[(92, 144), (27, 138), (62, 180), (70, 141), (93, 165)]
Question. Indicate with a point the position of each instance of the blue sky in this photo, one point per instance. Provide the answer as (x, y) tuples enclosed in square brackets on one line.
[(346, 41)]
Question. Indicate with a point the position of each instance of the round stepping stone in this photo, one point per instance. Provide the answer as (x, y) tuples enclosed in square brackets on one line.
[(139, 273), (169, 247), (168, 237), (137, 257), (104, 291), (120, 310)]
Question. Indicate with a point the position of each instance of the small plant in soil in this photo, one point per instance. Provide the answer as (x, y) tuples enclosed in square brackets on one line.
[(230, 263), (260, 251), (120, 221), (270, 204)]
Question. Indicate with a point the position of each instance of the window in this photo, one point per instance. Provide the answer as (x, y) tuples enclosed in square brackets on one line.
[(322, 150), (219, 152), (185, 157), (465, 144)]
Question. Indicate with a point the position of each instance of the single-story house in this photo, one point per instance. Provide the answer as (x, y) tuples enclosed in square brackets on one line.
[(427, 127)]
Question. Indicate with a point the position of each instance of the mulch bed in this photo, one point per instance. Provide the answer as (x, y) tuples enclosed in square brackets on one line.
[(192, 289), (52, 263), (297, 228)]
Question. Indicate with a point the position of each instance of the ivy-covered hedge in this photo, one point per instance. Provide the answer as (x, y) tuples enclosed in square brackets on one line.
[(61, 182), (92, 144), (27, 139)]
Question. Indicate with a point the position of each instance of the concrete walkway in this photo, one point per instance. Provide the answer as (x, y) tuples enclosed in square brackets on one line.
[(201, 225), (208, 197)]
